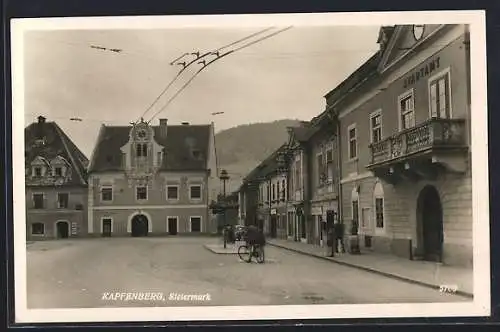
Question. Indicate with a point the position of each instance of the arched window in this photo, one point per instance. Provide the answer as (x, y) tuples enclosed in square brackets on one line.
[(378, 202)]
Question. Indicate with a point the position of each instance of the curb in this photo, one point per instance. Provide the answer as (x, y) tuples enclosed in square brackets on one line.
[(219, 253), (368, 269)]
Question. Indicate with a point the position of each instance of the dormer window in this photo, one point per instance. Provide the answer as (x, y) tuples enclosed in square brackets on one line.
[(142, 150), (37, 171), (58, 171)]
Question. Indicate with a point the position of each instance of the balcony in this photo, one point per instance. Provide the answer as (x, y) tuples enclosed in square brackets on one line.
[(421, 152)]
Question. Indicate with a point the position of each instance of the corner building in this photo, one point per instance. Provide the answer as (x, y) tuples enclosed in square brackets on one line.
[(405, 145), (55, 183), (152, 180)]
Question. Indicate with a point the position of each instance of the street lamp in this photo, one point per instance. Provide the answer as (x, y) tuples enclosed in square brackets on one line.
[(224, 176)]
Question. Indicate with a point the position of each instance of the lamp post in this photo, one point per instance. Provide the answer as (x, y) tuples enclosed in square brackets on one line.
[(224, 176)]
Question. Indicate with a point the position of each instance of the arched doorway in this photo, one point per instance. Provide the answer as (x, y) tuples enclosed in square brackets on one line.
[(140, 225), (62, 229), (430, 223)]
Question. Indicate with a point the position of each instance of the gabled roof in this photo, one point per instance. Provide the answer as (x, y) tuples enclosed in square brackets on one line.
[(178, 145), (57, 143)]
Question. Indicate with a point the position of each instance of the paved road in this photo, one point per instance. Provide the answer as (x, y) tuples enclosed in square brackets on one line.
[(76, 273)]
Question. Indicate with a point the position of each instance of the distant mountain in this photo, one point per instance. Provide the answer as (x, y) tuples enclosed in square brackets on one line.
[(242, 148)]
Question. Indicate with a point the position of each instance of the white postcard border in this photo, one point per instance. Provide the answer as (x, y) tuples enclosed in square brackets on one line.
[(480, 306)]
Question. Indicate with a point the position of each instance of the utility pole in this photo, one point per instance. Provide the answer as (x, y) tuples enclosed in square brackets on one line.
[(224, 176)]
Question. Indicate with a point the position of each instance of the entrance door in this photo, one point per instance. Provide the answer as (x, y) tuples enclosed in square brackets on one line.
[(274, 227), (62, 229), (172, 226), (139, 225), (430, 217), (303, 229), (106, 227)]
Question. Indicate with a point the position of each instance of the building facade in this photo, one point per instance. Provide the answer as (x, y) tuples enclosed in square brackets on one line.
[(152, 180), (405, 145), (323, 184), (56, 183), (300, 221)]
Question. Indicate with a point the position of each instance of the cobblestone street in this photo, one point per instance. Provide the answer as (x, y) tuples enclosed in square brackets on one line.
[(76, 274)]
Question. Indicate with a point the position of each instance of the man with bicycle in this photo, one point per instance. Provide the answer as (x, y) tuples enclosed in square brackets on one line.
[(255, 239)]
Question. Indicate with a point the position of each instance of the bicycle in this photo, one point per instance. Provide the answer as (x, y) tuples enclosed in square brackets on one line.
[(246, 253)]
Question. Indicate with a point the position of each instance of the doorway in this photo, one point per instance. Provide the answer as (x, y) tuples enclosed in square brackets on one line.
[(430, 223), (139, 225), (106, 227), (62, 230), (274, 227), (172, 226)]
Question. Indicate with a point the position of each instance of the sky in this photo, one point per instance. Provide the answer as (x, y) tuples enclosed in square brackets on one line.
[(284, 76)]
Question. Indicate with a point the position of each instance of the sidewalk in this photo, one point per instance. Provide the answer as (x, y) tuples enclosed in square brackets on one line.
[(218, 248), (418, 272)]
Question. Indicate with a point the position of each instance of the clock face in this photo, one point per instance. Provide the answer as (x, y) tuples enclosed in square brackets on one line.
[(141, 134), (418, 31)]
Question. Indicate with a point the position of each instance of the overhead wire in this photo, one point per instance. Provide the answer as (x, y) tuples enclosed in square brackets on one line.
[(212, 61), (198, 58)]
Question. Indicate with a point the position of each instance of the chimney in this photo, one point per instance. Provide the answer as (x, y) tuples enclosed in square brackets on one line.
[(163, 128), (40, 127), (185, 123)]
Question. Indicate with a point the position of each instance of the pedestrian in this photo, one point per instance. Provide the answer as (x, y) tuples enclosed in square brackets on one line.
[(339, 237), (330, 242)]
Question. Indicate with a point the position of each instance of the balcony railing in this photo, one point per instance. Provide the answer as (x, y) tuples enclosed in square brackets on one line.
[(434, 133)]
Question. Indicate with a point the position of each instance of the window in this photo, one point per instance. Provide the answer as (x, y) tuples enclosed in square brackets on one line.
[(173, 192), (353, 141), (329, 165), (58, 171), (278, 193), (38, 171), (195, 224), (376, 126), (141, 193), (107, 194), (195, 192), (142, 150), (283, 189), (273, 192), (38, 228), (38, 201), (62, 200), (297, 175), (439, 90), (406, 109), (159, 159), (321, 174), (378, 194)]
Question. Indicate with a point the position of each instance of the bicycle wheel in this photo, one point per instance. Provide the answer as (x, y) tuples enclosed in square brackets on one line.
[(260, 255), (244, 253)]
